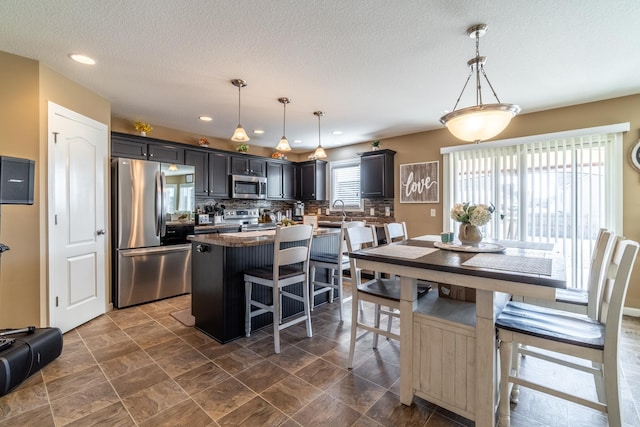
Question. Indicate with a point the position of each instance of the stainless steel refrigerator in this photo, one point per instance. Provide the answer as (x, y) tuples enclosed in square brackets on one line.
[(152, 213)]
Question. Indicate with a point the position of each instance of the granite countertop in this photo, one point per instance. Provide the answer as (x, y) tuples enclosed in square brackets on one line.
[(213, 227), (250, 238)]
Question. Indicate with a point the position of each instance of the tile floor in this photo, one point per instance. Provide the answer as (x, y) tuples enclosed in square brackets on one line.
[(139, 366)]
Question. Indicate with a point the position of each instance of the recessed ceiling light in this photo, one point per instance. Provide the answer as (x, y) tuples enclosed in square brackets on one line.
[(258, 131), (337, 132), (82, 59), (205, 118), (297, 141)]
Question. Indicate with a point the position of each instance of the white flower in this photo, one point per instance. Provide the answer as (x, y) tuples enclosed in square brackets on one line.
[(477, 215)]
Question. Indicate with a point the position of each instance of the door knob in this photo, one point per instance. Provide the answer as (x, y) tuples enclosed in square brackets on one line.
[(100, 232)]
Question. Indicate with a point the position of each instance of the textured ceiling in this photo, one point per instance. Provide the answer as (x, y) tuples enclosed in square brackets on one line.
[(377, 68)]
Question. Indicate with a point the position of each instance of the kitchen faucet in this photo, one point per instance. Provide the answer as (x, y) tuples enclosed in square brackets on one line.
[(344, 215)]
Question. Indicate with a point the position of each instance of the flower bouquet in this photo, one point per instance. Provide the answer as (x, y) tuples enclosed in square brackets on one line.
[(142, 127), (477, 215)]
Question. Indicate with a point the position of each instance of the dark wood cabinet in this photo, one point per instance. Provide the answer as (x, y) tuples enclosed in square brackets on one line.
[(251, 166), (139, 147), (313, 180), (219, 175), (376, 174), (280, 180), (211, 172)]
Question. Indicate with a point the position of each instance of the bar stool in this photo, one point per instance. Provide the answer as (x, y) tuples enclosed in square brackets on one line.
[(595, 340), (290, 266), (336, 262)]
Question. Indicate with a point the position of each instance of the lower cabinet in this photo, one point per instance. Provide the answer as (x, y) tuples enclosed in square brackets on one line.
[(444, 355)]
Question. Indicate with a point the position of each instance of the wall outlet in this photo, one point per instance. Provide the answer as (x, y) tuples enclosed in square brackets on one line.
[(433, 212), (327, 211), (319, 211), (372, 212), (387, 211)]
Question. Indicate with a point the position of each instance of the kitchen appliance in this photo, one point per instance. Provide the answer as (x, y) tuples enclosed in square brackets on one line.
[(248, 187), (298, 211), (204, 219), (152, 214), (247, 219)]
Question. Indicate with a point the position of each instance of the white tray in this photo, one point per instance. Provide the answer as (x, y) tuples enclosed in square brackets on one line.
[(482, 247)]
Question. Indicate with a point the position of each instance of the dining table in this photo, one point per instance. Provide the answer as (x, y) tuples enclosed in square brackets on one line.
[(495, 269)]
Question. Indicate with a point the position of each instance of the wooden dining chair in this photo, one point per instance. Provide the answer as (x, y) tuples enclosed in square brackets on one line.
[(290, 266), (379, 291), (585, 300), (336, 262), (570, 334), (394, 231)]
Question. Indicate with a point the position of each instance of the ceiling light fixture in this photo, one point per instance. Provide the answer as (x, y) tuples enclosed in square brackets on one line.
[(82, 59), (482, 121), (205, 118), (173, 167), (319, 153), (283, 144), (239, 135)]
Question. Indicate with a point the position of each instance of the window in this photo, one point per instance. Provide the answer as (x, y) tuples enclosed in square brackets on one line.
[(557, 188), (345, 184)]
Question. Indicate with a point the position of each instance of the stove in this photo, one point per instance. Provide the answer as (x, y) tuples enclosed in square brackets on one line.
[(241, 216)]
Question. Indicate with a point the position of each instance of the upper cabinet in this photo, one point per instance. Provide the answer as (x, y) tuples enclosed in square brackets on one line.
[(376, 174), (136, 147), (245, 165), (211, 172), (281, 180), (313, 180)]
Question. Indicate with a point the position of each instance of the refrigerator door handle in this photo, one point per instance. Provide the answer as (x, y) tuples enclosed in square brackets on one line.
[(163, 210), (158, 204)]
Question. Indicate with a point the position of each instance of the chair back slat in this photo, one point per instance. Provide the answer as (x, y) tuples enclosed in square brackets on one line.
[(614, 294), (292, 255), (600, 259)]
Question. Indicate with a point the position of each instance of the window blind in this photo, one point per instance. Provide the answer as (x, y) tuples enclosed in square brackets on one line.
[(345, 183), (560, 191)]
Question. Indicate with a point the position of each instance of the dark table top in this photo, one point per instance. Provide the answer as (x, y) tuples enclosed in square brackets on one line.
[(452, 261)]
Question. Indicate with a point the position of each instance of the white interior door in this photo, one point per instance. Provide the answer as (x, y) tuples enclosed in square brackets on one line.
[(78, 176)]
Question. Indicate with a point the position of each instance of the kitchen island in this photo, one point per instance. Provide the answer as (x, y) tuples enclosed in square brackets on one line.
[(218, 265)]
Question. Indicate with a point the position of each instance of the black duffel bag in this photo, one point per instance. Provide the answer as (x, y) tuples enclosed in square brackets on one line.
[(25, 352)]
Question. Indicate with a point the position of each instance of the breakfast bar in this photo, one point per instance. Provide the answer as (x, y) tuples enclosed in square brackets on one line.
[(218, 265), (459, 372)]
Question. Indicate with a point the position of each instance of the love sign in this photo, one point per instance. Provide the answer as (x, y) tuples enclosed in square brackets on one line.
[(419, 182)]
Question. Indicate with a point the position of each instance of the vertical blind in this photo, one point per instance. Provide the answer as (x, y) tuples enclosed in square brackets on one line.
[(560, 191)]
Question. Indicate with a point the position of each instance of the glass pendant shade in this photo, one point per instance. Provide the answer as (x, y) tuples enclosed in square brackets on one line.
[(481, 122), (283, 145), (239, 135), (319, 153)]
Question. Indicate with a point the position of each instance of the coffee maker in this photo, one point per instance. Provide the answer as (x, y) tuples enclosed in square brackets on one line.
[(298, 211)]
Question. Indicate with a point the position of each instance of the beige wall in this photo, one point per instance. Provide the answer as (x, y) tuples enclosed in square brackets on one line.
[(27, 87), (20, 224)]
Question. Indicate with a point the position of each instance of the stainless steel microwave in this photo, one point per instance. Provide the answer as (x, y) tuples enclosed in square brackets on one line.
[(248, 187)]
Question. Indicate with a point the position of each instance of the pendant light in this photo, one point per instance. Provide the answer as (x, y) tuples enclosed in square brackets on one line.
[(482, 121), (283, 145), (319, 153), (239, 135)]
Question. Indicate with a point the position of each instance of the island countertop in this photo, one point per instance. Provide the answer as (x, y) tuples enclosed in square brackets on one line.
[(250, 238)]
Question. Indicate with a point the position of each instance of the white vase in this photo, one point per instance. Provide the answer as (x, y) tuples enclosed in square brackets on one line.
[(143, 133), (469, 234)]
